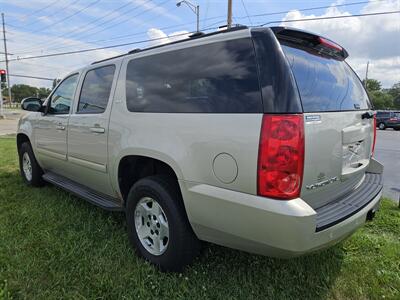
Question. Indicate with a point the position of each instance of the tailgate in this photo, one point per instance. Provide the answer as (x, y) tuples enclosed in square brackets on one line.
[(338, 123), (337, 153)]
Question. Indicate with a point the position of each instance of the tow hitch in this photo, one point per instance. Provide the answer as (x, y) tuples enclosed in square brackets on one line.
[(371, 215)]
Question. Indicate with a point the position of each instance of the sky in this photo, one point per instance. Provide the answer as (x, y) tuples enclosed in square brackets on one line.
[(38, 27)]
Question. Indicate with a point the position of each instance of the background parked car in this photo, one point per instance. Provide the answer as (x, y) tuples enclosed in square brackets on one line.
[(388, 119)]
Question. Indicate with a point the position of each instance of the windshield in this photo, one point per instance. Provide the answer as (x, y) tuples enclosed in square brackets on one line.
[(325, 84)]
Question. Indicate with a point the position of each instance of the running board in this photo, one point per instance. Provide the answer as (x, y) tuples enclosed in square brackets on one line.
[(96, 198)]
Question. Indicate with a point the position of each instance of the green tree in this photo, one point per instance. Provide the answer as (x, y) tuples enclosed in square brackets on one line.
[(43, 92), (381, 100), (55, 82), (373, 85), (21, 91), (394, 91)]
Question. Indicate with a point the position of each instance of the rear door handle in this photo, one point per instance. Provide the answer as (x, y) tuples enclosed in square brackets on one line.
[(60, 126), (97, 129)]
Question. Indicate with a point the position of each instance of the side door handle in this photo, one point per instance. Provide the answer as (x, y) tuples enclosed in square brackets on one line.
[(60, 126), (97, 129)]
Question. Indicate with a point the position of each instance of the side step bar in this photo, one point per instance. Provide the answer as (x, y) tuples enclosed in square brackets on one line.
[(96, 198)]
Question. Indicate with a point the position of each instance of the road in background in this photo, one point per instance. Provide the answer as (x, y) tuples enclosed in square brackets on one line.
[(387, 151), (10, 123)]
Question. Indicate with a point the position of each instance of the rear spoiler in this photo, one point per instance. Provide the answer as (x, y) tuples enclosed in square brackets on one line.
[(311, 41)]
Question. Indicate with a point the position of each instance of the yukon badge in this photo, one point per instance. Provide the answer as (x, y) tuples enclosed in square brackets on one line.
[(321, 182)]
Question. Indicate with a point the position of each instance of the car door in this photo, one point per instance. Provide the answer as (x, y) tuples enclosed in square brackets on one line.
[(88, 129), (51, 127)]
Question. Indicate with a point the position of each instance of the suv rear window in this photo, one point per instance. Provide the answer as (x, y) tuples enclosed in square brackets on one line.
[(325, 84), (215, 78)]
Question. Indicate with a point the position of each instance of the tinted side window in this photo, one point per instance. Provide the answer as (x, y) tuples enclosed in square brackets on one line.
[(325, 84), (60, 100), (279, 90), (383, 115), (96, 90), (213, 78)]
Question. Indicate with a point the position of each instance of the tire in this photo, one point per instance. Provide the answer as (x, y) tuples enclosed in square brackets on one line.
[(382, 126), (29, 168), (181, 246)]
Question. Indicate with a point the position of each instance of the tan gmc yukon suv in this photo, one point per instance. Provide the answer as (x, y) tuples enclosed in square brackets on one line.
[(257, 139)]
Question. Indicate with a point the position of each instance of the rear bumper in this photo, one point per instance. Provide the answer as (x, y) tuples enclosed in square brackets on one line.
[(273, 227)]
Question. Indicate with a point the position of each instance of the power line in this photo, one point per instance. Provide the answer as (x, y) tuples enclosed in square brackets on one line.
[(247, 13), (40, 9), (156, 39), (175, 26), (34, 21), (100, 18), (124, 21), (135, 34), (333, 17), (317, 7), (98, 48), (34, 77), (67, 17), (68, 35), (205, 15)]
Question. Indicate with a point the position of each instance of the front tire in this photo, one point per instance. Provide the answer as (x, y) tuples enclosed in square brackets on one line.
[(382, 126), (29, 167), (158, 226)]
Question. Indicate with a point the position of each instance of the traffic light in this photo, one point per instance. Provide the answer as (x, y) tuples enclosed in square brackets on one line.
[(3, 76)]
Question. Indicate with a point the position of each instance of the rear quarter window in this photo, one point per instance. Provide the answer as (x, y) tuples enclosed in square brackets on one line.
[(96, 89), (214, 78), (325, 84)]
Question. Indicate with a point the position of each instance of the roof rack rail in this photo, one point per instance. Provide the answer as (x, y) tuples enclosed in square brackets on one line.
[(195, 35), (135, 50)]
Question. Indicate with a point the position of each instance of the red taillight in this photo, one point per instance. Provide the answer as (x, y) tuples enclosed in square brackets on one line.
[(281, 156), (329, 44), (373, 143)]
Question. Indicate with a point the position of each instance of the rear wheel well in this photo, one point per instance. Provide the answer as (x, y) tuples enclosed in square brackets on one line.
[(22, 138), (133, 168)]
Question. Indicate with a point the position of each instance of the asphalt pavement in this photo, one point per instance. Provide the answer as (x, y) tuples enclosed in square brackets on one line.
[(387, 151), (9, 124)]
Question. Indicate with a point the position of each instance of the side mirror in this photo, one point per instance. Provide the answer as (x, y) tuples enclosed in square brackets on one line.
[(32, 104)]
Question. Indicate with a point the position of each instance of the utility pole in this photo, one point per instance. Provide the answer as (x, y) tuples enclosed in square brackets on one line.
[(229, 22), (366, 76), (1, 104), (6, 56)]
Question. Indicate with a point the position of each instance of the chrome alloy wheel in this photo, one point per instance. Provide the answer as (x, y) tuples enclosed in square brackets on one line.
[(27, 166), (151, 226)]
